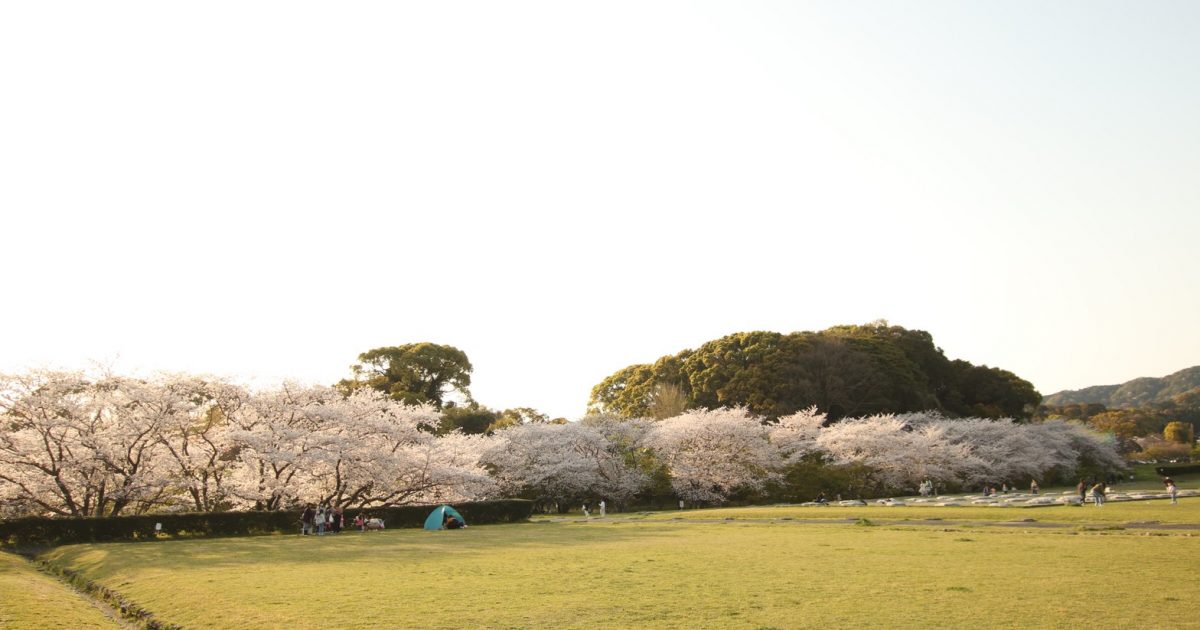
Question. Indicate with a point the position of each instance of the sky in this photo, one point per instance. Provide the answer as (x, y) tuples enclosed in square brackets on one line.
[(264, 190)]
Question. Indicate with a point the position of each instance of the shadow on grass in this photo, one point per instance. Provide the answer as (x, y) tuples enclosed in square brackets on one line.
[(405, 545)]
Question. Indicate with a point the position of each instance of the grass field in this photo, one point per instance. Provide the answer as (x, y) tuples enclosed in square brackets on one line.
[(31, 599), (1188, 511), (757, 571)]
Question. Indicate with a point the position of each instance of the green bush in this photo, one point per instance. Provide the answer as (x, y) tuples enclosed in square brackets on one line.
[(59, 531), (1182, 469)]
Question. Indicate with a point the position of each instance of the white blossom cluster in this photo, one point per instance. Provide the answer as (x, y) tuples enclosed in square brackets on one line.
[(75, 446), (707, 455), (72, 445)]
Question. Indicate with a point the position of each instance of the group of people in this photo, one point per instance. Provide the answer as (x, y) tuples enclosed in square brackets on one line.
[(1097, 489), (366, 522), (319, 520), (604, 509), (990, 490)]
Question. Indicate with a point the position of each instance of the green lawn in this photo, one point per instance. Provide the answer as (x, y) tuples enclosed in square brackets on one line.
[(757, 572), (31, 599), (1114, 513)]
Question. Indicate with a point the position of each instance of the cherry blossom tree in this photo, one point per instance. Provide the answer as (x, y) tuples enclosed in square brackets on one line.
[(44, 466), (712, 453), (77, 446), (895, 453), (278, 437), (564, 463), (312, 444), (796, 435), (377, 455), (196, 442)]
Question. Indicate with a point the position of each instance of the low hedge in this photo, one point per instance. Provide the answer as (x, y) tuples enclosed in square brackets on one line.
[(1167, 471), (59, 531)]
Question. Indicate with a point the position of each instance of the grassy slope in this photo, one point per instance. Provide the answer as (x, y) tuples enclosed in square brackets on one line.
[(31, 599), (664, 574)]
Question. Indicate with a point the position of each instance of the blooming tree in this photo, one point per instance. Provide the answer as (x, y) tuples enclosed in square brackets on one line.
[(796, 435), (560, 463), (75, 446), (712, 453), (44, 465), (195, 440), (895, 453), (313, 444)]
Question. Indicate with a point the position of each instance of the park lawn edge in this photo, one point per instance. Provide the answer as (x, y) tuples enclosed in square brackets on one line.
[(42, 591)]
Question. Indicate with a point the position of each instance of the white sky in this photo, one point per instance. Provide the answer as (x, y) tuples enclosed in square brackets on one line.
[(266, 189)]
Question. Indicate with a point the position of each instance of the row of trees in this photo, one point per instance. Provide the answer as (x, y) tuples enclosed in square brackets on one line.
[(730, 453), (77, 446), (1132, 422), (843, 371), (71, 445)]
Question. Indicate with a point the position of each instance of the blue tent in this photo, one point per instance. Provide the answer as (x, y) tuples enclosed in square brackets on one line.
[(438, 516)]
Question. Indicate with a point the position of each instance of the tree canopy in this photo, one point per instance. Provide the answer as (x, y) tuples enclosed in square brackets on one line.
[(843, 371), (415, 373)]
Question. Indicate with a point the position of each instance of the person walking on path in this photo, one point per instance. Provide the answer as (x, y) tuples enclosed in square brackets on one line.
[(1173, 490), (1098, 494)]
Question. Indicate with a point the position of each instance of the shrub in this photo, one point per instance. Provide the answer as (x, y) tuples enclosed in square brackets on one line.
[(58, 531), (1159, 449), (1180, 432), (1172, 471)]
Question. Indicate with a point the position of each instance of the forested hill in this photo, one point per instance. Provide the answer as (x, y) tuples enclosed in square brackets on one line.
[(843, 371), (1140, 392)]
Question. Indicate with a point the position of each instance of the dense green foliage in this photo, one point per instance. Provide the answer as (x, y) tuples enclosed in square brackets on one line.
[(1160, 413), (414, 373), (476, 419), (1130, 422), (1180, 387), (843, 371), (51, 531)]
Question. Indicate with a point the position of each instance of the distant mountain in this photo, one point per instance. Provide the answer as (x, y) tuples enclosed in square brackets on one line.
[(1140, 392)]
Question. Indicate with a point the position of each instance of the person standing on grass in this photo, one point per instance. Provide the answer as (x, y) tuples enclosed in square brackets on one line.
[(1173, 490), (321, 520), (1081, 488), (603, 507), (1098, 494), (306, 519), (1033, 487)]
